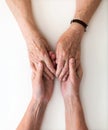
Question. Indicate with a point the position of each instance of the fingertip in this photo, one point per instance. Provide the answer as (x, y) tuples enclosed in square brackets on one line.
[(50, 52), (72, 60), (53, 56)]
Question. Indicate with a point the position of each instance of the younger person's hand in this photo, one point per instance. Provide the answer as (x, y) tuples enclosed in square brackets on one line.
[(72, 84), (42, 87)]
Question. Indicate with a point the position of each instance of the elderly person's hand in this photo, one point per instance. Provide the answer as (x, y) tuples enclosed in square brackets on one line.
[(42, 87), (71, 85), (38, 50), (74, 115), (68, 47)]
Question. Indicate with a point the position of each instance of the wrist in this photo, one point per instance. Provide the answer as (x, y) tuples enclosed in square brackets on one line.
[(71, 94), (73, 97), (39, 101), (29, 30), (35, 112), (82, 15), (38, 104), (77, 27), (80, 22)]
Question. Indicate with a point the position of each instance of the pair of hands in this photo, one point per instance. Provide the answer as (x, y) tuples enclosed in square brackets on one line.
[(65, 64), (43, 87), (68, 46)]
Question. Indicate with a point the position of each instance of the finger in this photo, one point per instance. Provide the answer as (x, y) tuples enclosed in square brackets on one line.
[(49, 64), (48, 72), (80, 72), (77, 58), (64, 71), (66, 76), (46, 76), (53, 58), (77, 62), (72, 68), (55, 65), (39, 71), (52, 55), (60, 66)]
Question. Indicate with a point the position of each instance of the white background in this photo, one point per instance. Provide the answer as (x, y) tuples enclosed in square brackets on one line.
[(53, 18)]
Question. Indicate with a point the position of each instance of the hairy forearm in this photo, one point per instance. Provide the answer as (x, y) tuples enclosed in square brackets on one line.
[(22, 10), (33, 117), (85, 9), (74, 114)]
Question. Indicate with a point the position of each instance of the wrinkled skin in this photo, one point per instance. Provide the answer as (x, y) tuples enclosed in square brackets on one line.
[(38, 50), (68, 47)]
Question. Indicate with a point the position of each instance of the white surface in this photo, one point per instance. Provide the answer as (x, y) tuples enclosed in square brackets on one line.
[(53, 17)]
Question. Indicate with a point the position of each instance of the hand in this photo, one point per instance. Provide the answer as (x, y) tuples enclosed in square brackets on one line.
[(68, 47), (38, 49), (72, 84), (42, 87)]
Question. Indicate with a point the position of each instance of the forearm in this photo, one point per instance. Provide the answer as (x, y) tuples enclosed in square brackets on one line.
[(33, 117), (74, 114), (22, 10), (85, 9)]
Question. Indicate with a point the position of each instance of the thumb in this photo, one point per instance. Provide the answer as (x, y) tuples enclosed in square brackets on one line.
[(40, 70)]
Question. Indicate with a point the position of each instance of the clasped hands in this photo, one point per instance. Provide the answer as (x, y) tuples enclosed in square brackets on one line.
[(64, 64), (46, 65)]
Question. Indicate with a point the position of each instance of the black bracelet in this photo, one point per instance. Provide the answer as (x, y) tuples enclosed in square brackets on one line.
[(80, 22)]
